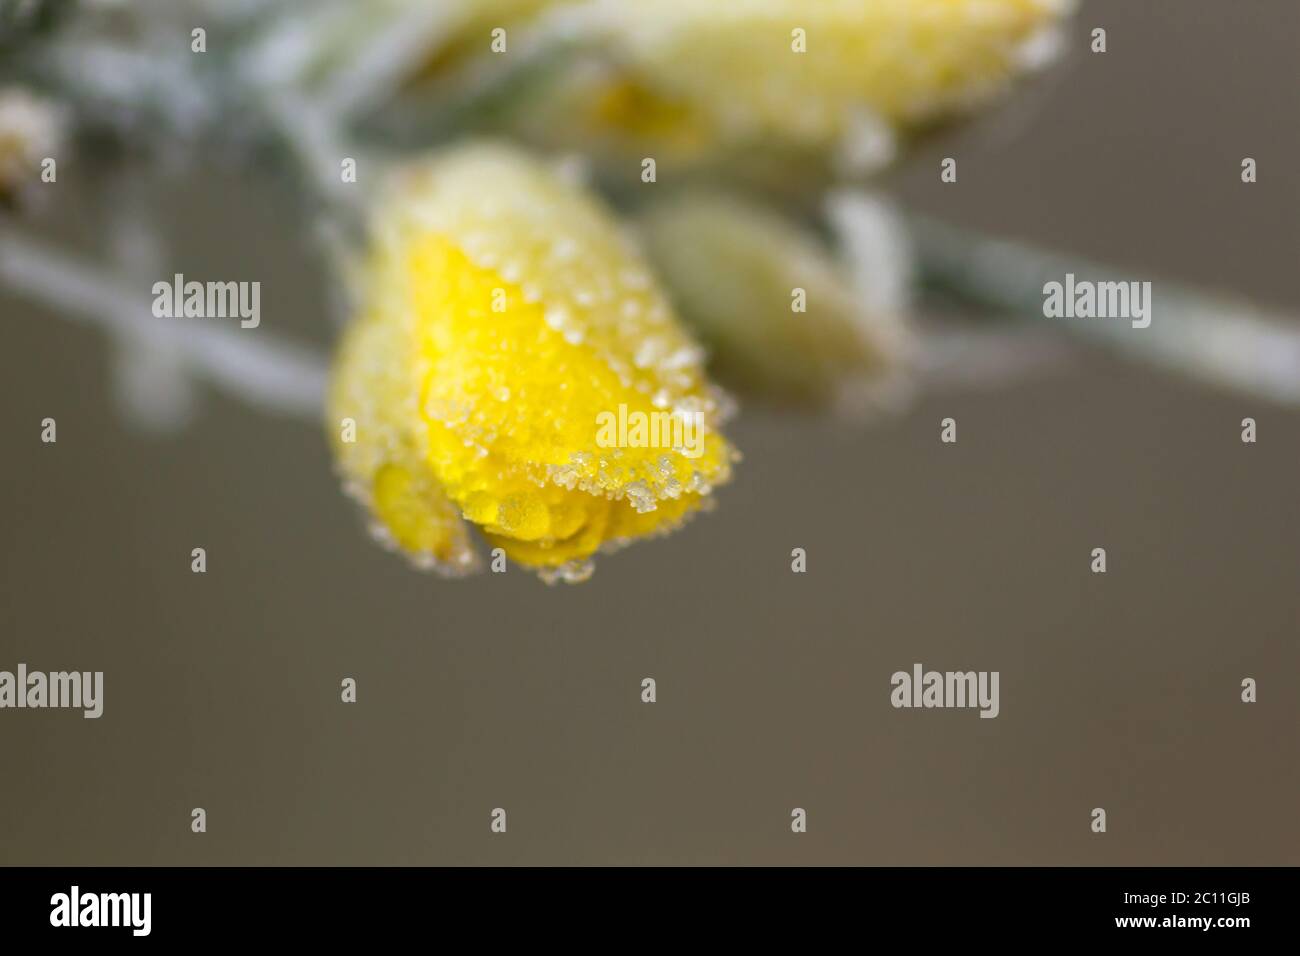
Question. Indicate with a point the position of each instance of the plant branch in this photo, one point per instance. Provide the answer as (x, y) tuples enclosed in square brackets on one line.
[(266, 372), (1226, 342)]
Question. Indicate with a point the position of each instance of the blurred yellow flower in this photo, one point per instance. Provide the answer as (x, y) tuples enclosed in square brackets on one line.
[(506, 320), (815, 74)]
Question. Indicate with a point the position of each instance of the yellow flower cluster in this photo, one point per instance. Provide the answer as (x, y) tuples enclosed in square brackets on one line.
[(513, 343), (506, 320)]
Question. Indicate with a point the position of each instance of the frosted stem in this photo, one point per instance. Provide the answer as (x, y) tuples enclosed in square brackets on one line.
[(250, 364), (1223, 341), (385, 61)]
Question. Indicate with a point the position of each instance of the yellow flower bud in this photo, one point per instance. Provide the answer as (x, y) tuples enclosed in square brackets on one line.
[(510, 334), (782, 315)]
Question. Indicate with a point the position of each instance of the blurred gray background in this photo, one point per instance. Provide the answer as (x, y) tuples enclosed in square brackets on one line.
[(1117, 690)]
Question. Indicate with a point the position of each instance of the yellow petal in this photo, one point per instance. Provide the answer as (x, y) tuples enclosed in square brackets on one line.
[(379, 459)]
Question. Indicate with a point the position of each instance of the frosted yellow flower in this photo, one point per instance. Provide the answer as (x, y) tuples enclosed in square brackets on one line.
[(816, 73), (507, 319)]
